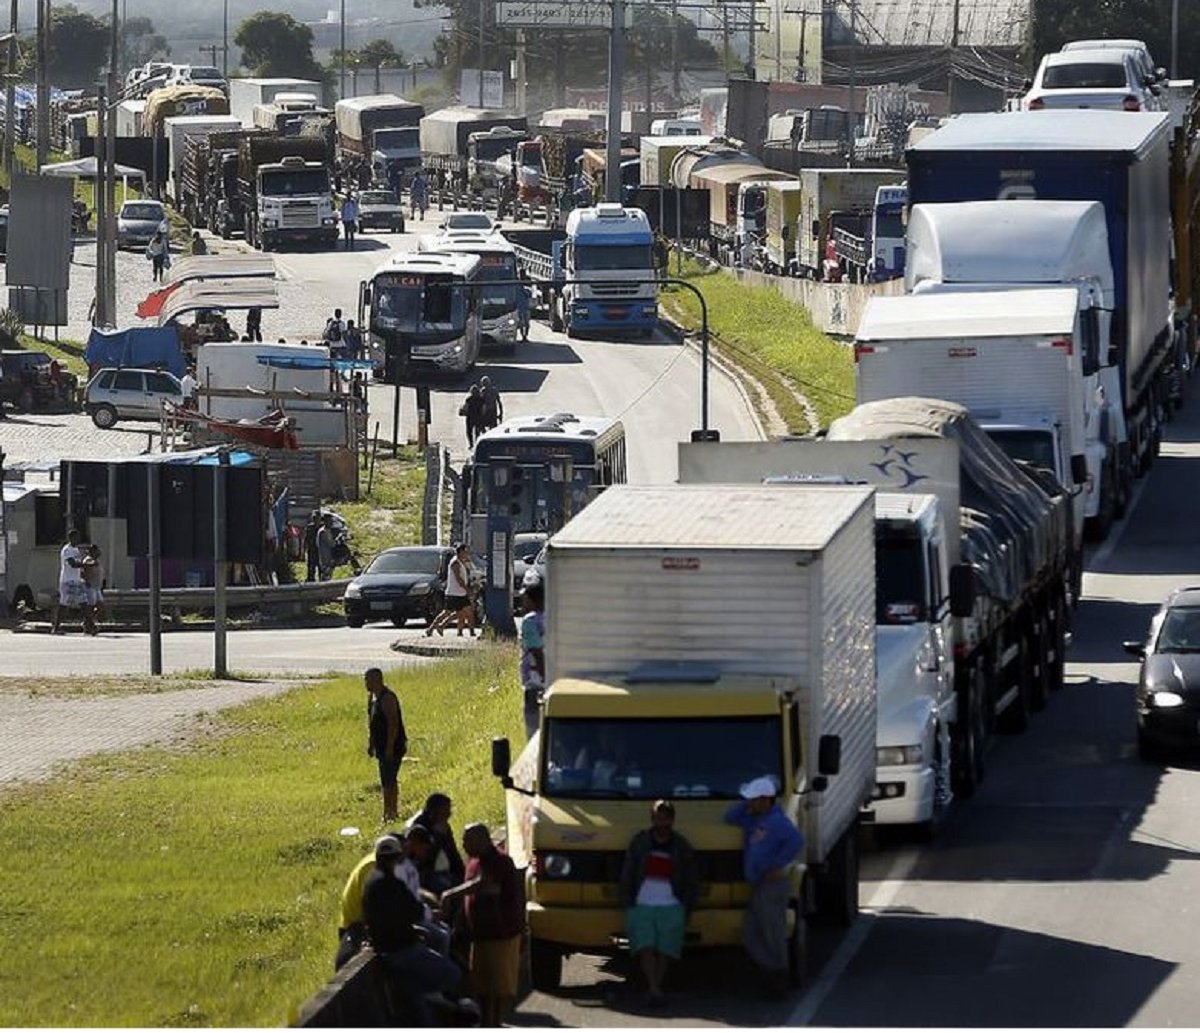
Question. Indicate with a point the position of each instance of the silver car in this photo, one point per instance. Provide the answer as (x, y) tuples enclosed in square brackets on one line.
[(129, 394), (138, 221)]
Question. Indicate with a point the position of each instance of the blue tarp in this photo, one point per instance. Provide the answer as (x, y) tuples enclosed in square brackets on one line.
[(143, 347)]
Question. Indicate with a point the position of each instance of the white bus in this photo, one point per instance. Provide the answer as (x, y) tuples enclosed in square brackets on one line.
[(427, 305), (498, 320), (538, 501)]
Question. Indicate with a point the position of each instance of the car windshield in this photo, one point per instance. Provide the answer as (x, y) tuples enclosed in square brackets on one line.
[(605, 257), (377, 197), (414, 561), (527, 551), (469, 221), (1084, 77), (146, 212), (645, 759), (1180, 631)]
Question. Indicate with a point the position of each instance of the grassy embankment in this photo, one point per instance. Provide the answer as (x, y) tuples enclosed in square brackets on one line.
[(774, 341), (199, 885)]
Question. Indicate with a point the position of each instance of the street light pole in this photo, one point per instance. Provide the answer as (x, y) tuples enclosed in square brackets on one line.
[(1174, 39), (110, 179), (225, 41), (10, 92), (482, 10), (43, 83), (342, 56), (616, 76)]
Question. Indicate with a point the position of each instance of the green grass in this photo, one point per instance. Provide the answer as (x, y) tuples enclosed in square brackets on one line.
[(774, 340), (391, 515), (69, 353), (198, 885)]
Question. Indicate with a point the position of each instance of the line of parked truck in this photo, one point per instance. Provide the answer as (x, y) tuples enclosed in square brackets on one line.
[(858, 613)]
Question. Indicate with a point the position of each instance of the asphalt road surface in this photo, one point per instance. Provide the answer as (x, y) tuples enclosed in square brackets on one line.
[(1064, 894)]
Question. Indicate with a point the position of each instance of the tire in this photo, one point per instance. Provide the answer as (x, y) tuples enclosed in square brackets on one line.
[(26, 400), (970, 738), (104, 416), (399, 622), (545, 965), (355, 622), (798, 944), (1097, 528), (837, 892)]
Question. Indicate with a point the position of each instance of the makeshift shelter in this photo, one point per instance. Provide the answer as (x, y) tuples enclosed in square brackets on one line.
[(139, 346), (206, 267)]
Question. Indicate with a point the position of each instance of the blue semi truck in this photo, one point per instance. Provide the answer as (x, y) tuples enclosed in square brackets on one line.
[(1118, 158)]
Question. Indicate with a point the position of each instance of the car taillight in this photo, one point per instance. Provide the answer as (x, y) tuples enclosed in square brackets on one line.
[(1036, 104), (1131, 104)]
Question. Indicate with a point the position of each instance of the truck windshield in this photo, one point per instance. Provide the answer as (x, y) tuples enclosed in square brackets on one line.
[(645, 759), (606, 257), (433, 305), (1035, 447), (901, 587), (398, 139), (490, 150), (889, 224), (294, 182)]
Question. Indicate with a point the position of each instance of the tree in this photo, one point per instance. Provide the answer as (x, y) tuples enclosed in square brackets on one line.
[(1055, 22), (379, 54), (78, 47), (275, 44), (140, 43)]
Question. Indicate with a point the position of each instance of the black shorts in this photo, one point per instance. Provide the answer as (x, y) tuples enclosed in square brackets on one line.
[(389, 771), (457, 603)]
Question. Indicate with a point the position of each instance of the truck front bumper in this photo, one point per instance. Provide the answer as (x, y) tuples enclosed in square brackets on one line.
[(602, 930), (300, 234), (500, 331), (902, 796), (593, 314)]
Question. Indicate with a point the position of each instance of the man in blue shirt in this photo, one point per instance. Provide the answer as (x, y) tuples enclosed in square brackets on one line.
[(772, 844)]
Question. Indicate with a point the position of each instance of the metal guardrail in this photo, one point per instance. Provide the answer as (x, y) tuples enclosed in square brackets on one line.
[(431, 505), (301, 594)]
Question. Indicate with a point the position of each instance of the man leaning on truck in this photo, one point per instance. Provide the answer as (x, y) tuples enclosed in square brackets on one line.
[(772, 844), (659, 886)]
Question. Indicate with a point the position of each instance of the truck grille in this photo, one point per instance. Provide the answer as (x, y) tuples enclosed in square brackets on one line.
[(614, 290), (300, 215)]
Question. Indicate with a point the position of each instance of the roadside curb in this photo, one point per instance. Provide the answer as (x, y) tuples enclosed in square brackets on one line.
[(432, 650)]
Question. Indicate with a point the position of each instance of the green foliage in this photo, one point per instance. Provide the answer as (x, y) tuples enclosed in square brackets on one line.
[(141, 43), (198, 884), (275, 44), (11, 328), (392, 514), (774, 340), (78, 47)]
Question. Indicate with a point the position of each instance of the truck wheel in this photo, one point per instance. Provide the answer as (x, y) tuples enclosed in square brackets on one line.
[(837, 892), (545, 965), (970, 737), (1098, 527), (798, 943)]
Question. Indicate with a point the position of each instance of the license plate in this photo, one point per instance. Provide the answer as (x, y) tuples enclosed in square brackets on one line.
[(381, 606)]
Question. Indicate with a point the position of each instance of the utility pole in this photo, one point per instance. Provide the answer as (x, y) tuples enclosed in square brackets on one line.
[(1174, 39), (43, 83), (950, 61), (675, 51), (480, 68), (801, 71), (519, 78), (725, 36), (225, 41), (110, 178), (101, 317), (616, 78), (10, 92), (752, 59), (853, 78), (342, 55)]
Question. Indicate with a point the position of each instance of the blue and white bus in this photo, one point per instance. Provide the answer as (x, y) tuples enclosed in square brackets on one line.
[(537, 445)]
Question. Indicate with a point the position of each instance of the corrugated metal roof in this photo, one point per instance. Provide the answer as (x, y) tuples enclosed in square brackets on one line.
[(925, 23), (714, 517)]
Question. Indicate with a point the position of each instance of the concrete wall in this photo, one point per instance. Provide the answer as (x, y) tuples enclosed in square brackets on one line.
[(836, 308)]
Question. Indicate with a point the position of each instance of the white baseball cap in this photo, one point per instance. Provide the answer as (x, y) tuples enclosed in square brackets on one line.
[(758, 787)]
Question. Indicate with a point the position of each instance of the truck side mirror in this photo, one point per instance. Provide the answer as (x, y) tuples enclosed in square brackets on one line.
[(502, 760), (367, 297), (962, 590), (1079, 470), (1135, 649), (829, 754)]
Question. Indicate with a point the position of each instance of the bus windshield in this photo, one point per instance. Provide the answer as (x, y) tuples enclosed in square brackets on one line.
[(537, 502), (497, 298), (418, 304)]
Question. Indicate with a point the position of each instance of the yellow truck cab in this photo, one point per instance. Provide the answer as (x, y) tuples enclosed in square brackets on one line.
[(697, 637)]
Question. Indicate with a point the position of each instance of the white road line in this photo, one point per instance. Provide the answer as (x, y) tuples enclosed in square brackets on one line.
[(899, 872)]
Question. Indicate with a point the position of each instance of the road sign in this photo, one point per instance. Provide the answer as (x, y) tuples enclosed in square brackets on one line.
[(492, 95), (558, 14)]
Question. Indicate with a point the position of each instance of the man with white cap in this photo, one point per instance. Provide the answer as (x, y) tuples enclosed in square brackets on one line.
[(771, 845)]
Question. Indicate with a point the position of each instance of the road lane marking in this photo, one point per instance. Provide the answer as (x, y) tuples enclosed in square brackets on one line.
[(898, 874)]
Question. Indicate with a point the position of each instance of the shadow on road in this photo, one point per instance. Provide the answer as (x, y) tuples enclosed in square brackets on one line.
[(541, 353), (505, 378), (1104, 624), (1000, 977)]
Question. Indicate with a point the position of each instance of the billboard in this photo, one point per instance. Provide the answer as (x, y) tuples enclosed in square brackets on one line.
[(493, 89), (557, 14), (39, 232)]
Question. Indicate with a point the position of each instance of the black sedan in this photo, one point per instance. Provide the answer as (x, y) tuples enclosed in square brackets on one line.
[(1168, 693), (399, 585)]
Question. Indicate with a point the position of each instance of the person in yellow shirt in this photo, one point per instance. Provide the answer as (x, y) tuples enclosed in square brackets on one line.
[(352, 929)]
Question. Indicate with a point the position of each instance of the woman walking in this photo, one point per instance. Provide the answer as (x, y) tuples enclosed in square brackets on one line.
[(459, 605), (156, 251)]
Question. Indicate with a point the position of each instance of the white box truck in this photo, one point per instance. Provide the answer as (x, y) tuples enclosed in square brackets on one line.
[(245, 94), (698, 636), (1014, 358), (180, 126)]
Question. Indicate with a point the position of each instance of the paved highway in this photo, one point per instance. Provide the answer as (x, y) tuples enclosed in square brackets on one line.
[(1064, 894)]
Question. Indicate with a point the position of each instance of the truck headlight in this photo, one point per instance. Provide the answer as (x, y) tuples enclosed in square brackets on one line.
[(896, 756), (270, 223), (353, 591), (1166, 700), (420, 589), (329, 220), (555, 866)]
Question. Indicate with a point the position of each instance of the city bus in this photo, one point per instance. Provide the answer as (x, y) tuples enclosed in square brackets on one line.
[(538, 499), (425, 305), (498, 320)]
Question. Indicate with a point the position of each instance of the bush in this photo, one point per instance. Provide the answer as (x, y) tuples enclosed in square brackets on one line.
[(12, 326)]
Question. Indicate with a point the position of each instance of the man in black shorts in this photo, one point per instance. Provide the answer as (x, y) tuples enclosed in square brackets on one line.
[(387, 741)]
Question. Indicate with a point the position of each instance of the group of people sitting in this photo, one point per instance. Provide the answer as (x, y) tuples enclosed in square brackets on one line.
[(441, 927)]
